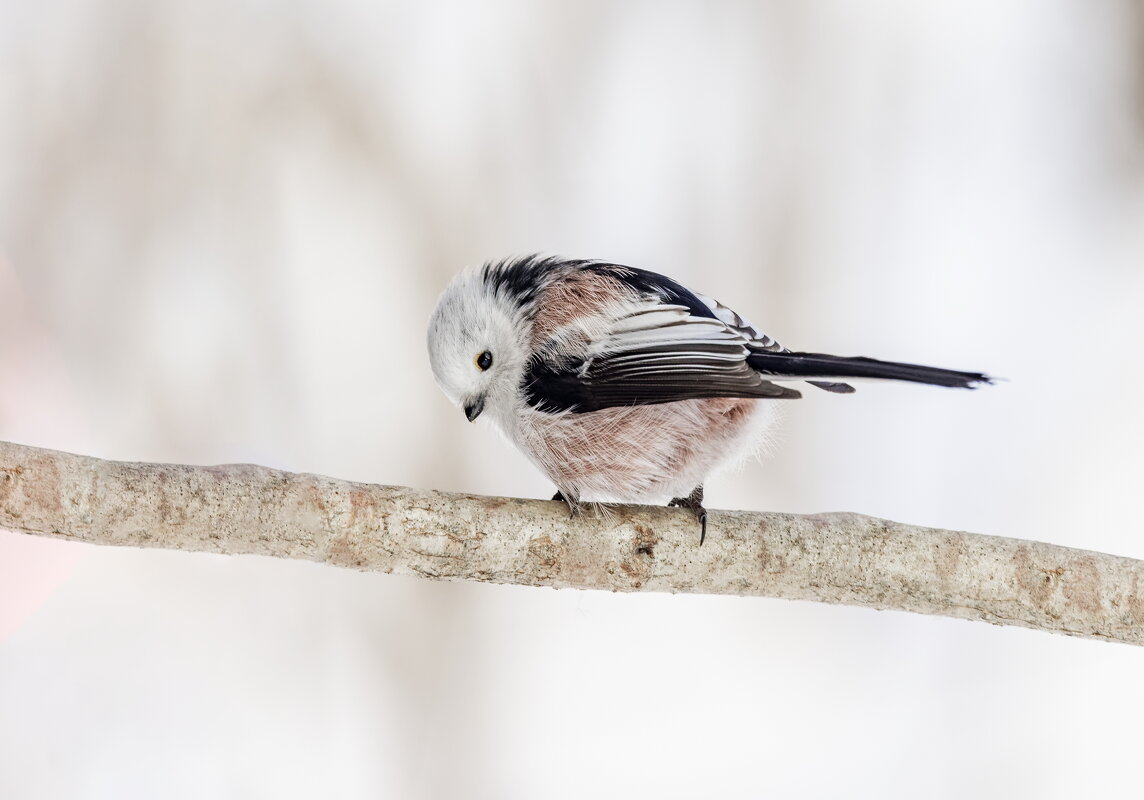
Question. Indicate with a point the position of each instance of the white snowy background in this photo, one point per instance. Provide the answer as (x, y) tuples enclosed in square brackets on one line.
[(223, 226)]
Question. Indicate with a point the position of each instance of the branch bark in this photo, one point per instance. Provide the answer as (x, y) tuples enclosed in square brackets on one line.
[(831, 558)]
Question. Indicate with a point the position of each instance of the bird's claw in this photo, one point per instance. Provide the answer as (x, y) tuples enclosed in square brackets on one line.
[(694, 502), (575, 508)]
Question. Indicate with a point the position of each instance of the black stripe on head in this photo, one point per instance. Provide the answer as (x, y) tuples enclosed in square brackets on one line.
[(521, 278), (646, 282)]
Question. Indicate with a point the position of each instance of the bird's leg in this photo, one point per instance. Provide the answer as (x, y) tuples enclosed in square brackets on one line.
[(574, 506), (694, 501)]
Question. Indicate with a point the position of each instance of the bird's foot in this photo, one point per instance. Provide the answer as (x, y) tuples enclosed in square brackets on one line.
[(575, 507), (694, 502)]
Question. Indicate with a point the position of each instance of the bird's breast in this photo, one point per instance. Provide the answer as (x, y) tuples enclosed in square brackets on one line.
[(634, 452)]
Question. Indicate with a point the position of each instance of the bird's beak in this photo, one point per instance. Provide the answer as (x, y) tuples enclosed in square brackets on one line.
[(474, 407)]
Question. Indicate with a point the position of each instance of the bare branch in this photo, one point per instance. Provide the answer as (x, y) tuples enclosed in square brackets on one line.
[(831, 558)]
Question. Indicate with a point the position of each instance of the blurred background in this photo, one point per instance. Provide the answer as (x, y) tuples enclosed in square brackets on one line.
[(223, 226)]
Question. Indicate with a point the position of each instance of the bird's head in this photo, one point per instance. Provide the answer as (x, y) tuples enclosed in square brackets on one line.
[(478, 345)]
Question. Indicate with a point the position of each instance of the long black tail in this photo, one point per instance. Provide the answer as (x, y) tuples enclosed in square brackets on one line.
[(820, 365)]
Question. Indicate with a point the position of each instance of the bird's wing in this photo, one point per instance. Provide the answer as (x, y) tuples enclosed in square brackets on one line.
[(760, 342), (756, 339), (652, 284), (652, 352)]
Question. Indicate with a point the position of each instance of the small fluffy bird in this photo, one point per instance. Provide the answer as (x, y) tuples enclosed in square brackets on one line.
[(621, 384)]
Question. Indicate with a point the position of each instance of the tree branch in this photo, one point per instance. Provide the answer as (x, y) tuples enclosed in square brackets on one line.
[(831, 558)]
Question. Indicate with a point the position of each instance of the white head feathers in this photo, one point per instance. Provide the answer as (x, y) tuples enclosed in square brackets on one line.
[(477, 343)]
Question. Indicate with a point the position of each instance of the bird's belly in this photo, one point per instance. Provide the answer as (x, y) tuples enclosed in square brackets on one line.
[(637, 453)]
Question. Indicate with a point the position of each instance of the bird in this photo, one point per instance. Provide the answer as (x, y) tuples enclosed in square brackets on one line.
[(621, 384)]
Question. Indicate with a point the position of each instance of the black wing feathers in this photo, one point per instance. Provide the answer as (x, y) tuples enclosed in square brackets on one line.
[(608, 383)]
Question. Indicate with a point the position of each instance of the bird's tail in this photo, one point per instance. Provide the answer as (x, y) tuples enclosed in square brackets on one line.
[(822, 366)]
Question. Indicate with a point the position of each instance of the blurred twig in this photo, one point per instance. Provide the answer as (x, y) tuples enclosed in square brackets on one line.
[(832, 558)]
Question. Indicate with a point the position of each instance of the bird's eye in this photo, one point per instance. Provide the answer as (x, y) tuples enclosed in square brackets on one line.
[(484, 361)]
